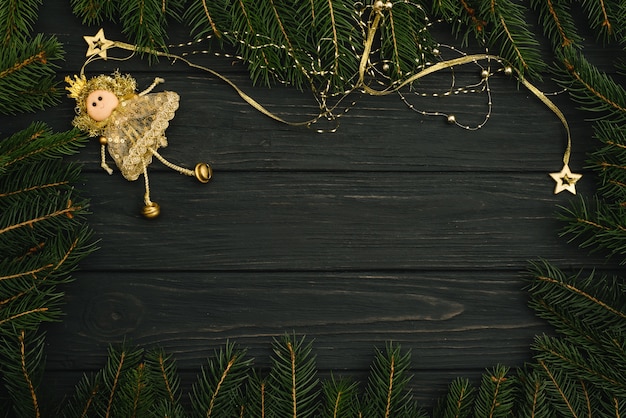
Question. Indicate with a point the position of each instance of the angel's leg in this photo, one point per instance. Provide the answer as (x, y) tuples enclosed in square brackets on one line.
[(103, 161), (202, 171), (151, 209)]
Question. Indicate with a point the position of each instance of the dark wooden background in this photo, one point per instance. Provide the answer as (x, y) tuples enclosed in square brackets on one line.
[(397, 227)]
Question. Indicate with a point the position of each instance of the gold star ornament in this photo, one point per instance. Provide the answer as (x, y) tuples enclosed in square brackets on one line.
[(565, 180), (98, 44)]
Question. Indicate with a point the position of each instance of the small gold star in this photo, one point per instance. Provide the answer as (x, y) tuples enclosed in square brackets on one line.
[(565, 180), (98, 44)]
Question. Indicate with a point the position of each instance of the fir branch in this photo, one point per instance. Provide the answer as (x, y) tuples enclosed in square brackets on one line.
[(119, 370), (496, 394), (464, 16), (596, 299), (406, 44), (575, 362), (458, 401), (217, 391), (609, 161), (532, 402), (511, 34), (340, 398), (292, 383), (386, 393), (22, 364), (595, 91), (210, 18), (567, 395), (256, 398), (596, 225), (37, 142), (557, 22), (27, 75), (94, 11), (602, 15), (16, 20), (145, 22), (162, 375)]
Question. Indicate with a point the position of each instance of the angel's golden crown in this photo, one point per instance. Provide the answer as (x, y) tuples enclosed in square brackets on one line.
[(76, 85)]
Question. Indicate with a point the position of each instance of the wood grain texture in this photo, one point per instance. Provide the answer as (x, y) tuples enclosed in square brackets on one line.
[(396, 227)]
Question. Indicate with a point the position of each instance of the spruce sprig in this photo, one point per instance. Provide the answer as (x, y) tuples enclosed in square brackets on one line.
[(404, 22), (497, 393), (511, 35), (17, 18), (341, 398), (557, 22), (292, 382), (458, 401), (217, 393), (386, 393), (609, 160), (605, 18), (596, 91), (213, 19), (532, 401), (27, 75), (37, 142), (144, 22), (21, 368), (162, 378)]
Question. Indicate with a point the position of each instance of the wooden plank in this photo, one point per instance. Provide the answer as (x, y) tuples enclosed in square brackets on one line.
[(329, 221), (448, 320), (378, 134)]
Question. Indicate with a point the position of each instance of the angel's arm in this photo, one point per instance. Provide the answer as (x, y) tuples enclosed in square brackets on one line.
[(156, 81)]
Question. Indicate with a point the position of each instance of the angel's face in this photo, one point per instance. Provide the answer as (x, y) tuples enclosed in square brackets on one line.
[(100, 104)]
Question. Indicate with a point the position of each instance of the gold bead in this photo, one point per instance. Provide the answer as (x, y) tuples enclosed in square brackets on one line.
[(484, 73), (103, 140), (386, 67), (203, 172), (379, 5), (451, 119), (388, 5), (436, 52), (151, 210), (508, 70)]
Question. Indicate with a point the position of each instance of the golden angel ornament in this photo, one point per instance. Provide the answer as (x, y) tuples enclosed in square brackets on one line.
[(130, 125)]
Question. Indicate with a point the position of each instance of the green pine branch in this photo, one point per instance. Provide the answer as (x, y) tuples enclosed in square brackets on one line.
[(501, 25), (512, 36), (21, 368), (93, 12), (386, 392), (605, 17), (406, 45), (27, 74), (341, 398), (496, 395), (557, 22), (532, 401), (458, 401), (17, 18), (596, 91), (217, 392), (292, 382), (144, 22)]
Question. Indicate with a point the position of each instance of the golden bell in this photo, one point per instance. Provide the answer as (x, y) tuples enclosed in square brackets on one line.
[(203, 172), (151, 210), (103, 140)]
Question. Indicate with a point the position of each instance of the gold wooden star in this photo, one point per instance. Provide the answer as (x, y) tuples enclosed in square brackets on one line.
[(565, 180), (98, 44)]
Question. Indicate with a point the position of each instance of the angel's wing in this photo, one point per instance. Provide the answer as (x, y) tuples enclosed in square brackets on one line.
[(136, 126)]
